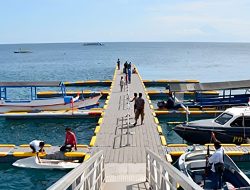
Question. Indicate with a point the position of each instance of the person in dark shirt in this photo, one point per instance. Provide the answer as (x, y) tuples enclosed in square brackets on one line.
[(118, 64), (170, 102), (125, 67), (134, 99), (139, 109)]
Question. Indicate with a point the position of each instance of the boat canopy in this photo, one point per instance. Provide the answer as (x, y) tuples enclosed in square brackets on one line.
[(32, 84), (228, 85)]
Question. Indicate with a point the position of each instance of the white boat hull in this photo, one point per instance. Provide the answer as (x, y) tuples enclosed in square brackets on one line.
[(32, 162), (46, 105)]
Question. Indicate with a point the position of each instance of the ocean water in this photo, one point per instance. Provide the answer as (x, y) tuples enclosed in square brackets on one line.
[(73, 61)]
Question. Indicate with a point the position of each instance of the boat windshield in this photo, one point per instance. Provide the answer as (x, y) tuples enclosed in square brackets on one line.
[(223, 118)]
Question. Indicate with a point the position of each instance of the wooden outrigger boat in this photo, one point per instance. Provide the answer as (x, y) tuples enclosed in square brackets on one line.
[(34, 104), (232, 93)]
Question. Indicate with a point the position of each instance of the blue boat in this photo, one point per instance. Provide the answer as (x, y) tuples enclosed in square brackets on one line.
[(232, 93)]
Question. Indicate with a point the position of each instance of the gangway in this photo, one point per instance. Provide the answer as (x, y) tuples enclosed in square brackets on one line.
[(160, 175)]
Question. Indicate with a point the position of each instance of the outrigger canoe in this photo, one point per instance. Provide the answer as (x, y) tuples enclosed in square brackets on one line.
[(64, 103), (33, 104)]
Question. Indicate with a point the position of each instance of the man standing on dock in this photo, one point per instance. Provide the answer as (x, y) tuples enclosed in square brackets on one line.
[(118, 64), (139, 103)]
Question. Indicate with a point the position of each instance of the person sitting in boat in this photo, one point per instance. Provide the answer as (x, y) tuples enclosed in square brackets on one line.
[(170, 101), (37, 146), (217, 164), (70, 141)]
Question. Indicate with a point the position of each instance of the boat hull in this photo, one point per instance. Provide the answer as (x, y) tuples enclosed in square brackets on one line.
[(47, 105), (202, 135), (32, 162), (193, 165)]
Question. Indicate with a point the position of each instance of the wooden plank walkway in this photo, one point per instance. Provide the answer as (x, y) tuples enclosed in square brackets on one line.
[(112, 137)]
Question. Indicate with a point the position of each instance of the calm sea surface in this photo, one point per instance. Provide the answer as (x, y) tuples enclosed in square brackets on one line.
[(73, 61)]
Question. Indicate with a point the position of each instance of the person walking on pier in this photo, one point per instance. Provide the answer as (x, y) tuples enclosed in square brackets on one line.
[(70, 141), (122, 84), (125, 67), (129, 75), (139, 109), (118, 64), (134, 99)]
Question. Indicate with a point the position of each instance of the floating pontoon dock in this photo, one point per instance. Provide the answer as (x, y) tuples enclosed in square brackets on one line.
[(94, 112), (130, 156), (146, 82), (133, 157), (104, 93), (9, 153)]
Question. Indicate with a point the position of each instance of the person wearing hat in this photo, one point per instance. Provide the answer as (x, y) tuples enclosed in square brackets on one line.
[(70, 141)]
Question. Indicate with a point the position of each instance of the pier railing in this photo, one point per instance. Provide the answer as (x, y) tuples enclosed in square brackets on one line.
[(161, 175), (89, 175)]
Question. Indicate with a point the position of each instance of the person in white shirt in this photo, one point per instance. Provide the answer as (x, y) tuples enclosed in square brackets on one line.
[(217, 163), (37, 146), (122, 84)]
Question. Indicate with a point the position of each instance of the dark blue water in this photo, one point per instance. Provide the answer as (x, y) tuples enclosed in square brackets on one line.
[(71, 62)]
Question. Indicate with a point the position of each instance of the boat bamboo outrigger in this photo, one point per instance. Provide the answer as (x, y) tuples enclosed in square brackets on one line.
[(35, 104)]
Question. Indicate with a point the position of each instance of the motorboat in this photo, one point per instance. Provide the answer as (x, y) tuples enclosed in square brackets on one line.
[(194, 165), (232, 126), (49, 104), (33, 162)]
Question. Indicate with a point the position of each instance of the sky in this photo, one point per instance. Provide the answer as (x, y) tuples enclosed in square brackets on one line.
[(50, 21)]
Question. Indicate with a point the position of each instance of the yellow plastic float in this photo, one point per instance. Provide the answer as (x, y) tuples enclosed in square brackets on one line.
[(74, 154), (92, 142)]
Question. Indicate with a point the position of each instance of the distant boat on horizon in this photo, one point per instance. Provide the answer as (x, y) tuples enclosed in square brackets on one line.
[(93, 44), (22, 51)]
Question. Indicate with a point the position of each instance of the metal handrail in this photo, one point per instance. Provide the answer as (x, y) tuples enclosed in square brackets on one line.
[(161, 175), (89, 175)]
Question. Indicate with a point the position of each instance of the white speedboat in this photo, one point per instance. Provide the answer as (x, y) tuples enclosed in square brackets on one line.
[(193, 165), (33, 162)]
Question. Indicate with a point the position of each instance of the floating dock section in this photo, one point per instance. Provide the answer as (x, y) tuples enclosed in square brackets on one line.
[(70, 114), (239, 153), (88, 93), (9, 153)]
